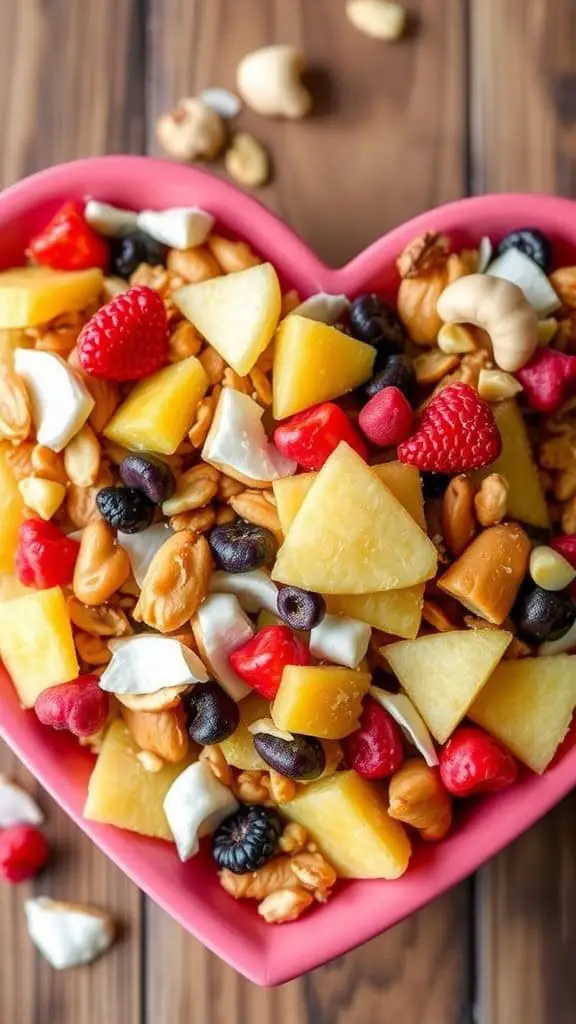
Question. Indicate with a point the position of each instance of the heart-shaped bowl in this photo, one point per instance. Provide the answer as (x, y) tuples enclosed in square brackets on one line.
[(190, 892)]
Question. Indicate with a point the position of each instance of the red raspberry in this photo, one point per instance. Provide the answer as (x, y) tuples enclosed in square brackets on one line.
[(45, 557), (473, 762), (128, 338), (566, 546), (548, 379), (23, 853), (387, 418), (261, 661), (375, 750), (457, 433), (79, 706), (68, 242)]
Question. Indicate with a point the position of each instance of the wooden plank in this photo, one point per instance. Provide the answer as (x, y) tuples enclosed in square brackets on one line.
[(390, 124), (71, 83), (523, 114)]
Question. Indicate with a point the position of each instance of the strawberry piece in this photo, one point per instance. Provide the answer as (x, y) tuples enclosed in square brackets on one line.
[(375, 750), (68, 242), (387, 418), (473, 762), (457, 433), (261, 661), (23, 853), (126, 339), (45, 557), (79, 706), (566, 546), (311, 436), (548, 379)]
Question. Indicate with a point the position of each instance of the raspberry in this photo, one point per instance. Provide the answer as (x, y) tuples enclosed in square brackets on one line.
[(128, 338), (79, 706), (457, 433), (473, 762), (375, 750), (566, 546), (45, 557), (23, 853), (68, 242), (548, 379), (387, 418)]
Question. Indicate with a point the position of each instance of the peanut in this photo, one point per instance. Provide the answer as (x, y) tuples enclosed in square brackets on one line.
[(15, 412), (101, 620), (458, 525), (184, 341), (285, 905), (213, 364), (199, 521), (418, 798), (92, 649), (214, 758), (195, 489), (194, 265), (490, 502), (82, 458), (176, 582), (102, 565), (232, 256), (161, 732), (48, 464)]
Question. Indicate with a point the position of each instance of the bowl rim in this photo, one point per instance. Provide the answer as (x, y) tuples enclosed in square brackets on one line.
[(305, 945)]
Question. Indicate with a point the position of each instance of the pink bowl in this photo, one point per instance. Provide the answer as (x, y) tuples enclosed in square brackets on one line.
[(190, 893)]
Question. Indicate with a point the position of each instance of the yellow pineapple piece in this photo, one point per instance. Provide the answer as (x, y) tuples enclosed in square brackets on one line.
[(42, 496), (528, 705), (347, 816), (323, 701), (239, 749), (443, 673), (11, 514), (10, 587), (121, 792), (237, 313), (36, 643), (33, 295), (161, 409), (313, 363), (526, 500), (352, 536)]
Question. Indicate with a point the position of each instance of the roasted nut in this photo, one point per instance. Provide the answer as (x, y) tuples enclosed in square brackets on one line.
[(490, 503), (102, 565), (81, 501), (268, 81), (99, 620), (204, 416), (19, 458), (193, 265), (47, 464), (184, 341), (293, 838), (308, 870), (176, 582), (262, 387), (82, 458), (106, 394), (195, 488), (231, 379), (435, 616), (232, 256), (426, 268), (228, 487), (199, 521), (213, 364), (224, 514), (549, 569), (431, 367), (191, 131), (214, 759), (43, 497), (15, 413), (161, 732), (378, 19), (285, 905), (496, 385), (563, 282), (92, 649), (488, 575), (252, 787), (254, 508), (418, 798), (247, 161), (167, 698), (458, 525), (454, 339)]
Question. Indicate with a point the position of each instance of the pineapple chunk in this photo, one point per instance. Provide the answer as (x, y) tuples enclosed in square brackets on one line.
[(10, 587), (526, 500), (528, 705), (352, 536), (11, 514), (348, 818), (121, 792), (289, 492), (314, 362), (33, 295), (237, 313), (160, 410), (443, 673), (36, 643), (42, 496), (239, 749), (323, 701)]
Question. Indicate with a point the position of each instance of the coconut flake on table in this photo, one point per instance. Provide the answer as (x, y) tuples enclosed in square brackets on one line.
[(195, 805), (17, 807), (68, 934), (254, 590), (513, 265), (220, 627), (148, 662), (402, 710), (224, 102), (180, 228), (323, 307), (341, 640), (141, 547), (237, 441), (109, 220)]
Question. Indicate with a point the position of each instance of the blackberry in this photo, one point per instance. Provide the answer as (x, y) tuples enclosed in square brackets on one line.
[(134, 248), (532, 243), (246, 840)]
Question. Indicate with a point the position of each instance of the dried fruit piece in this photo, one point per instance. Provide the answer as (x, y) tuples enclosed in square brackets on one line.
[(126, 339), (67, 242), (45, 557), (79, 706), (457, 432), (472, 762), (23, 853)]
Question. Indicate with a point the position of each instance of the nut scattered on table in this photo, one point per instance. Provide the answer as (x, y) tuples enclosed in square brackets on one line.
[(269, 82), (378, 19), (191, 131), (247, 161)]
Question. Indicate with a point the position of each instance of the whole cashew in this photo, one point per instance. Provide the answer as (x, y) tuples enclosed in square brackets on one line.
[(501, 309), (268, 81)]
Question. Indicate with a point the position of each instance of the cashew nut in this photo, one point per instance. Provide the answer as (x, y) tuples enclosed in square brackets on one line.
[(268, 81), (378, 19), (191, 131), (501, 309)]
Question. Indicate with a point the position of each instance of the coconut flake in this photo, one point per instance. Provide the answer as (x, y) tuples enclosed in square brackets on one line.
[(68, 934), (148, 663), (109, 220), (220, 627), (561, 646), (402, 710), (181, 227), (224, 102), (141, 547), (17, 807), (254, 590), (237, 441), (341, 640), (485, 251), (195, 805), (323, 307), (513, 265)]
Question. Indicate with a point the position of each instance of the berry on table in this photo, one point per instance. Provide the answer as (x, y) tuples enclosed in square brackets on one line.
[(134, 248), (387, 418), (246, 840), (45, 557), (457, 433), (24, 851), (67, 242), (127, 338), (473, 762)]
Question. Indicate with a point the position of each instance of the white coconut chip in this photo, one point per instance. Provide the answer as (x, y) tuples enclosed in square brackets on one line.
[(17, 807), (402, 710), (68, 934)]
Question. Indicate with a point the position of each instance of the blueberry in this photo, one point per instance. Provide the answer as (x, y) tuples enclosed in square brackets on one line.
[(242, 546), (397, 372), (532, 243), (148, 474), (544, 614), (125, 509), (375, 322), (134, 248), (300, 609), (300, 758), (246, 840), (211, 714)]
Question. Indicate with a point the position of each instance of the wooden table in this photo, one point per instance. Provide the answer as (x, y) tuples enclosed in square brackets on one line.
[(481, 98)]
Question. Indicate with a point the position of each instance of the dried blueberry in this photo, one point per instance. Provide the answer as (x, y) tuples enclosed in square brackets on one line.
[(375, 322), (242, 546), (544, 614), (397, 372), (302, 757), (532, 243), (300, 609), (125, 509), (134, 248), (246, 840), (148, 474), (211, 714)]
